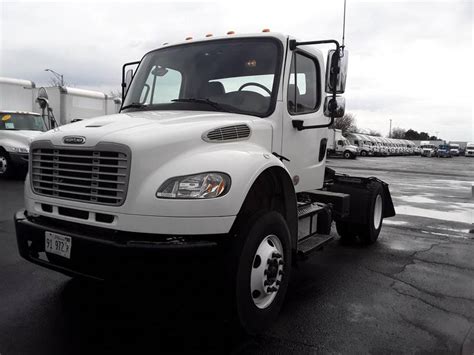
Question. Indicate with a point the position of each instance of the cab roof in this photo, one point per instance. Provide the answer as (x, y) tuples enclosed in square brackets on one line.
[(2, 112)]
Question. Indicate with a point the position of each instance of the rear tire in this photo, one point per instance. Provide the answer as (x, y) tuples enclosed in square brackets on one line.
[(367, 233), (261, 260)]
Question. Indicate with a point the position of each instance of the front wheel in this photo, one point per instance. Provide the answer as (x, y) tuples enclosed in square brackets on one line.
[(262, 265), (347, 154), (363, 153)]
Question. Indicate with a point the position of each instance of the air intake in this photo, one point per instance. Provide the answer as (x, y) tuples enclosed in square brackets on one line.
[(229, 133)]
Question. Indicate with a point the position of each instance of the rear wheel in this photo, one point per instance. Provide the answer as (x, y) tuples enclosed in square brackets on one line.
[(261, 270), (367, 233)]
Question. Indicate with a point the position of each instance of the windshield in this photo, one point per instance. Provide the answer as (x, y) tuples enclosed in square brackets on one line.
[(470, 146), (234, 75), (21, 121)]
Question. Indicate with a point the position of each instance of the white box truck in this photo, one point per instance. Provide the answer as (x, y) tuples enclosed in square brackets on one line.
[(339, 145), (219, 150)]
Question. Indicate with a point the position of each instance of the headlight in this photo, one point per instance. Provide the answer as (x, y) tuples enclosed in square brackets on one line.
[(204, 185), (17, 150)]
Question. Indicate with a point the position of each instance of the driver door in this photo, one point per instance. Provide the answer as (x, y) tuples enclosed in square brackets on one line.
[(302, 94)]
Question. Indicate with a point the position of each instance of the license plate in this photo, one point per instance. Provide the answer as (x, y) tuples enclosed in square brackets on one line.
[(58, 244)]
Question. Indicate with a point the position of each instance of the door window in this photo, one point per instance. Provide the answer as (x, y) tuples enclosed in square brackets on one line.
[(304, 94)]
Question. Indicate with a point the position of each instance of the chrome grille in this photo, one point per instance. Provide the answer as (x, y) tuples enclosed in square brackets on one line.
[(235, 132), (96, 175)]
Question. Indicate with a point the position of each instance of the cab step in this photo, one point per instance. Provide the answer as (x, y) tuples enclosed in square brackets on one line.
[(312, 243), (309, 209)]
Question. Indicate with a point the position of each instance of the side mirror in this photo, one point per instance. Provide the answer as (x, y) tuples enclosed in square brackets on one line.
[(336, 71), (128, 79), (334, 107)]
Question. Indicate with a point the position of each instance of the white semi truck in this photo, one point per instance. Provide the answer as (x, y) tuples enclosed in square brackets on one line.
[(219, 152), (339, 145)]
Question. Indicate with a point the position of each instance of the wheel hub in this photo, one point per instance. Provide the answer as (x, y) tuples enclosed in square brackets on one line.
[(267, 271)]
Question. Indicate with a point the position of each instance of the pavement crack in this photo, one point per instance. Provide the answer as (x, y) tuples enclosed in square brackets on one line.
[(428, 303), (420, 289), (444, 264)]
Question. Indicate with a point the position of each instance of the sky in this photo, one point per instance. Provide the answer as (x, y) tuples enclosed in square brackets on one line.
[(410, 61)]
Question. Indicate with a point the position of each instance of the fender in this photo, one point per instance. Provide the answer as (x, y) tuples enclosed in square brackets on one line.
[(242, 161)]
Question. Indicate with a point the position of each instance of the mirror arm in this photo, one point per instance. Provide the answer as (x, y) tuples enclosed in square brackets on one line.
[(299, 124), (123, 85)]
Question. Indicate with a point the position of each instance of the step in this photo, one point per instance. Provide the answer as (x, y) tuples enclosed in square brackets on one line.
[(315, 242), (309, 209)]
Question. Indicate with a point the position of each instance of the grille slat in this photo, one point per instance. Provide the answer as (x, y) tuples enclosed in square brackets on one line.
[(95, 175)]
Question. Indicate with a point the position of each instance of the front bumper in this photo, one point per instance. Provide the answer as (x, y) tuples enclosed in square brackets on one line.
[(100, 253)]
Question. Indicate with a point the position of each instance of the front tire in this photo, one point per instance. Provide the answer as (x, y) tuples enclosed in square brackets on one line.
[(261, 270), (347, 155), (363, 153)]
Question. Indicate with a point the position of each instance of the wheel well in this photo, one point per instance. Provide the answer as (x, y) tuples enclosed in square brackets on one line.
[(272, 191)]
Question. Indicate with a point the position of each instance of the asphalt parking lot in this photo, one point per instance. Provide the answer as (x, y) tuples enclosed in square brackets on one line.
[(413, 291)]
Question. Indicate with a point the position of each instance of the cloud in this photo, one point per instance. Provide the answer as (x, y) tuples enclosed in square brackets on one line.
[(409, 61)]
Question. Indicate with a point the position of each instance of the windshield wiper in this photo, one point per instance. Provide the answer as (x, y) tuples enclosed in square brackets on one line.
[(134, 105), (214, 104)]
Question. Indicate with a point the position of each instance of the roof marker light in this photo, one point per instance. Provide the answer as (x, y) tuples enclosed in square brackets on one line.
[(188, 38), (266, 30), (231, 33), (209, 35), (165, 43)]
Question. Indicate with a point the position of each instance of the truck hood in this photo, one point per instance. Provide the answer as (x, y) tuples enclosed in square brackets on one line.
[(148, 129), (18, 139)]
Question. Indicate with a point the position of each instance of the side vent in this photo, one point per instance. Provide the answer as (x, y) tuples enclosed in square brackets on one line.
[(229, 133)]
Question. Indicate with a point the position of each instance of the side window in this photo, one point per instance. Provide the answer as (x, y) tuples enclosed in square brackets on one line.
[(339, 143), (356, 142), (304, 86), (161, 86)]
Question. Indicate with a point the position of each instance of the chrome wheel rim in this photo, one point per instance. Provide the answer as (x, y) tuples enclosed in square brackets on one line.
[(378, 211), (267, 271)]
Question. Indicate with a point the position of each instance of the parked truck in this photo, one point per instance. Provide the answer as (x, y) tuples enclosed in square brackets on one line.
[(17, 129), (339, 145), (428, 149), (219, 150)]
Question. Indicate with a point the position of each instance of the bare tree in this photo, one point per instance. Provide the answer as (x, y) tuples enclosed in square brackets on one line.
[(53, 81), (346, 123), (373, 132), (398, 133)]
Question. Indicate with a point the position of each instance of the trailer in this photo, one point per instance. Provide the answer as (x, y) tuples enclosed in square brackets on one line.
[(17, 95), (226, 167)]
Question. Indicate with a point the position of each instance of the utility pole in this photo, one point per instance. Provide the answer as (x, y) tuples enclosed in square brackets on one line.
[(57, 75), (390, 131)]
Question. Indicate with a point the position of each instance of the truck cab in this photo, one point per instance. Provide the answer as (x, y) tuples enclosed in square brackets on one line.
[(17, 130), (427, 149), (218, 154), (454, 149), (469, 150)]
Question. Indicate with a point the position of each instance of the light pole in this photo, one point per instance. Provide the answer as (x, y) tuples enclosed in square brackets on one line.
[(59, 76), (390, 131)]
